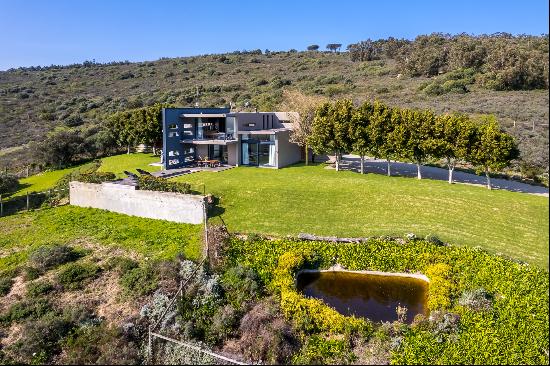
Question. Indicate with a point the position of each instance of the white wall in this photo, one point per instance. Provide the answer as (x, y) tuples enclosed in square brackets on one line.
[(176, 207)]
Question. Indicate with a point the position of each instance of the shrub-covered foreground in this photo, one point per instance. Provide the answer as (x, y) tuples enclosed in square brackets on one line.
[(484, 309)]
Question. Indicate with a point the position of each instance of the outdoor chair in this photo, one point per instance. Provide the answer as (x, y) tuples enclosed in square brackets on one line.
[(131, 175), (143, 172)]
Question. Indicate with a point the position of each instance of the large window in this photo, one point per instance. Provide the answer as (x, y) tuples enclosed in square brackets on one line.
[(209, 128), (258, 150)]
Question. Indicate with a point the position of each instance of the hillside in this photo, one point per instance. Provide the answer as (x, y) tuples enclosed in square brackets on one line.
[(33, 101)]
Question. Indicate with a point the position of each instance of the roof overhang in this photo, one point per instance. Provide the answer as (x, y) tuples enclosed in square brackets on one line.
[(209, 142), (203, 115), (263, 132)]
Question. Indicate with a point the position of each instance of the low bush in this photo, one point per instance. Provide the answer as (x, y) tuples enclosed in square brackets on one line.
[(26, 309), (31, 273), (48, 257), (8, 183), (101, 345), (265, 335), (241, 285), (39, 288), (139, 281), (94, 177), (5, 285), (39, 341), (75, 275), (150, 183), (477, 299), (319, 350), (121, 264)]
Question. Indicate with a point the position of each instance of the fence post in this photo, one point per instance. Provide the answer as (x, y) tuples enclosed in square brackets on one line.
[(149, 347), (27, 201), (1, 206)]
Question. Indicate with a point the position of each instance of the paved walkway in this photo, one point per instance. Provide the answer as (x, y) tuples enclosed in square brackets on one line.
[(353, 162)]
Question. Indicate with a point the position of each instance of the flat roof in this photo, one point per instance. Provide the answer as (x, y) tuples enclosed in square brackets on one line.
[(203, 115), (263, 132), (209, 142)]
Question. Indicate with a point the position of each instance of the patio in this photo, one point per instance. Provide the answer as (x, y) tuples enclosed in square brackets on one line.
[(188, 170)]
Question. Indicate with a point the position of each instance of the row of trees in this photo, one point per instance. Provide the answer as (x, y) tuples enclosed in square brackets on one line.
[(375, 129), (138, 126)]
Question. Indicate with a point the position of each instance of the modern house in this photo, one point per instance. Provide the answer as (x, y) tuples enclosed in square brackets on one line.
[(258, 139)]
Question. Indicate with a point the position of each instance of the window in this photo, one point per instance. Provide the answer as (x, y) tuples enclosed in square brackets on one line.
[(173, 153), (173, 134), (187, 125), (172, 126)]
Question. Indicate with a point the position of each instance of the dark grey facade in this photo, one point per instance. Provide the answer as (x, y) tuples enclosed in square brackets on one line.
[(235, 138)]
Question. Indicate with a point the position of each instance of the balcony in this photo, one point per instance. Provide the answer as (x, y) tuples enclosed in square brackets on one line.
[(213, 138)]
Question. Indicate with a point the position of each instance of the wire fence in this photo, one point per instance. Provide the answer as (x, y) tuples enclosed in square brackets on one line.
[(163, 349), (28, 201)]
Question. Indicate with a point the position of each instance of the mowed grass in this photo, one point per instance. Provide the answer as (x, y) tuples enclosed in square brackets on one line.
[(42, 181), (154, 239), (119, 163), (116, 164), (315, 200)]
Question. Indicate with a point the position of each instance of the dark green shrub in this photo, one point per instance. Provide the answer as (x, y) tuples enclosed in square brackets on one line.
[(95, 177), (39, 341), (150, 183), (101, 345), (241, 285), (431, 238), (8, 183), (5, 285), (75, 275), (26, 309), (48, 257), (36, 289), (139, 281), (31, 273), (224, 324), (121, 264)]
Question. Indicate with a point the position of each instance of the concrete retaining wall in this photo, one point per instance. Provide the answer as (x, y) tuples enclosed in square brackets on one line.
[(184, 208)]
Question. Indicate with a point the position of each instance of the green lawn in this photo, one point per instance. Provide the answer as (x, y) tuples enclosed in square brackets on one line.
[(155, 239), (42, 181), (314, 200), (119, 163), (116, 164)]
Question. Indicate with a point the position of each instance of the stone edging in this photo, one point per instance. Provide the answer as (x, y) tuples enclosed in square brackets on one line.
[(339, 268)]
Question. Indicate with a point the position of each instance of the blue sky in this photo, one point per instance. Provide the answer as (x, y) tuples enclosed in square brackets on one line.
[(61, 32)]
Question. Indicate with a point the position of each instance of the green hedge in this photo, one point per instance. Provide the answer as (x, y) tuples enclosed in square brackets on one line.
[(514, 330), (151, 183)]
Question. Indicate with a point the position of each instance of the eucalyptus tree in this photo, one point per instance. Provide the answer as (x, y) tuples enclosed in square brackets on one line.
[(493, 149), (383, 122), (453, 138)]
